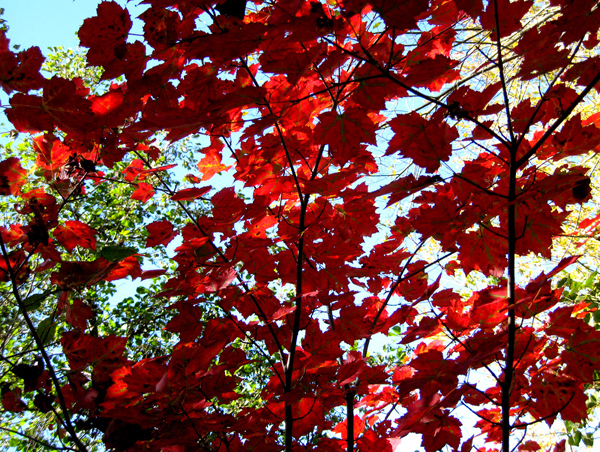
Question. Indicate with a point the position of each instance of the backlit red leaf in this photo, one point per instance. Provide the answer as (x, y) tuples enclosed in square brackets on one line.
[(187, 194), (75, 233), (103, 33), (52, 154), (160, 233), (21, 71), (78, 313), (427, 142), (143, 192), (12, 177), (211, 165), (345, 132)]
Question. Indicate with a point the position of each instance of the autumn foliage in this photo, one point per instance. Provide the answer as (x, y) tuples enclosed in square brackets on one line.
[(300, 263)]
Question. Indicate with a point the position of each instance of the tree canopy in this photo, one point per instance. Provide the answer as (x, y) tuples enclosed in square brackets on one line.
[(293, 181)]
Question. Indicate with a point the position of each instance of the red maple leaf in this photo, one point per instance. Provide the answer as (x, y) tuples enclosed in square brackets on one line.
[(75, 233), (130, 266), (401, 14), (220, 278), (188, 194), (104, 33), (345, 132), (427, 142), (78, 313), (441, 431), (554, 393), (489, 307), (52, 153), (82, 350), (160, 233), (473, 8), (509, 16), (12, 177), (11, 401), (20, 72), (483, 250), (211, 163), (187, 323), (143, 192), (421, 70)]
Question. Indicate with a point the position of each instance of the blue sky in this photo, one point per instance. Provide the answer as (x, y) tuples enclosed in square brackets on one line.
[(45, 23), (53, 23)]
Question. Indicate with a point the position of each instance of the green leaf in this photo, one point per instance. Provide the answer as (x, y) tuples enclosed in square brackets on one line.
[(590, 281), (117, 253), (46, 330), (33, 302), (588, 439)]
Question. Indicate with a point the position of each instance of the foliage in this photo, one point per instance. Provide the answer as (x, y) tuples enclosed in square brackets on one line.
[(585, 290), (282, 249)]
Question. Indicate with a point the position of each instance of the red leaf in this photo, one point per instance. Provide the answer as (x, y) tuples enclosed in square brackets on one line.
[(20, 71), (294, 64), (187, 194), (148, 274), (427, 142), (143, 193), (11, 401), (467, 445), (342, 427), (227, 206), (220, 278), (345, 132), (484, 251), (211, 163), (473, 8), (426, 328), (529, 446), (12, 177), (66, 102), (539, 224), (130, 266), (489, 307), (160, 233), (187, 323), (554, 393), (52, 154), (108, 103), (105, 32), (27, 115), (432, 73), (444, 430), (560, 446), (510, 15), (75, 233), (81, 273), (192, 178), (159, 168), (78, 313), (474, 102), (82, 350), (401, 14), (160, 27)]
